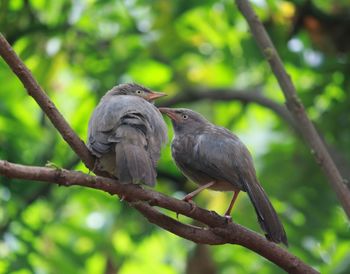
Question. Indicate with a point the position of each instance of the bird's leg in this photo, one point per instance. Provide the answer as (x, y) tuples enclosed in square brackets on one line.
[(189, 196), (228, 211)]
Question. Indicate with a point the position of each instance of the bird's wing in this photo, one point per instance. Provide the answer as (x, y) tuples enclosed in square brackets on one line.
[(221, 154), (118, 111), (103, 122)]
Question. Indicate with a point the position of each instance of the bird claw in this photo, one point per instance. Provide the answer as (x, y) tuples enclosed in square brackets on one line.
[(189, 200), (191, 203)]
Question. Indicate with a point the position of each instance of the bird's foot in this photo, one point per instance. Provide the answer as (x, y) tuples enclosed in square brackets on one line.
[(192, 204)]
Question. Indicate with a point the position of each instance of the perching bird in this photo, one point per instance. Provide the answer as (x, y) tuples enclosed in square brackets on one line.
[(126, 132), (215, 158)]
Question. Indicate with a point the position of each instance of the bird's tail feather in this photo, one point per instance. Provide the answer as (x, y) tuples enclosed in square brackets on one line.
[(267, 215), (134, 164)]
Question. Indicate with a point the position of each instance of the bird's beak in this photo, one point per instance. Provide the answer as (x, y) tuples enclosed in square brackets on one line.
[(155, 95), (169, 112)]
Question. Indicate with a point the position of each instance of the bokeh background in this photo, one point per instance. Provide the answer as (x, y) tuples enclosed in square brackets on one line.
[(79, 49)]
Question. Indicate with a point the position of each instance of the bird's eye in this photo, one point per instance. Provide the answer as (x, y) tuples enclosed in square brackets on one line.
[(138, 92), (185, 116)]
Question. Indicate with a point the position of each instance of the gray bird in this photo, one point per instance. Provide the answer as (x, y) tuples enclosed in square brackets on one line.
[(126, 132), (215, 158)]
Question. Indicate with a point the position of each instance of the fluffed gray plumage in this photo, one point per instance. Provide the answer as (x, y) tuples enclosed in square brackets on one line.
[(126, 133), (215, 158)]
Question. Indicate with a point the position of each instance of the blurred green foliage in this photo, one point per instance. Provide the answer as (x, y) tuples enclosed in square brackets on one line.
[(79, 49)]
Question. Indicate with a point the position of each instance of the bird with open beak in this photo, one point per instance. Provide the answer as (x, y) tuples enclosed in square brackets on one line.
[(126, 132), (215, 158)]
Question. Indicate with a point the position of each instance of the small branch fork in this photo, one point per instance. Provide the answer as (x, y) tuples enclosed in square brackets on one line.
[(216, 231)]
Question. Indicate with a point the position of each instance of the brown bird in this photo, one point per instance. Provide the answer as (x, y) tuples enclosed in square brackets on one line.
[(215, 158), (126, 132)]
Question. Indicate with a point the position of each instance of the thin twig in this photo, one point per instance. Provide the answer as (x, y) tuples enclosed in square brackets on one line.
[(224, 94), (294, 104)]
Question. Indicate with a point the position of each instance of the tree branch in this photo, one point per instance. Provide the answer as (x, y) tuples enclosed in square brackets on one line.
[(44, 102), (219, 231), (295, 106), (196, 234), (43, 192)]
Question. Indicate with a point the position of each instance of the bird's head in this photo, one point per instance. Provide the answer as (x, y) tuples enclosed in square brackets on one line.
[(136, 90), (184, 120)]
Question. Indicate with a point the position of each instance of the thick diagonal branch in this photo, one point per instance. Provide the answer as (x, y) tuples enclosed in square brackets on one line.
[(295, 106), (219, 231), (34, 90)]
